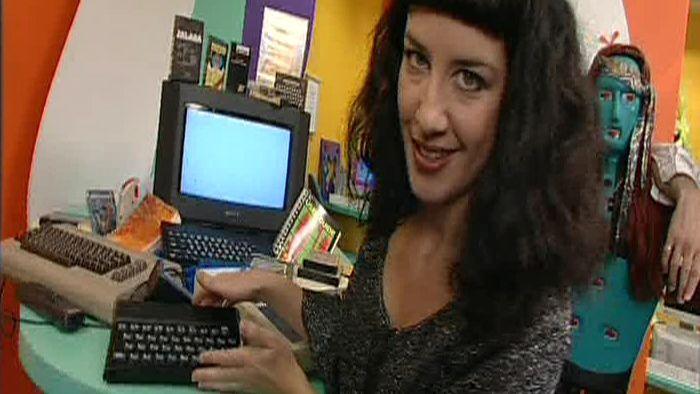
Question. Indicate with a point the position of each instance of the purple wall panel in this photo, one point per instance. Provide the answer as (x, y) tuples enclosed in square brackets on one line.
[(254, 19)]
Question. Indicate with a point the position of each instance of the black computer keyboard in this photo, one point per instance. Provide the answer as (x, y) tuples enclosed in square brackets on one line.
[(191, 245), (161, 343)]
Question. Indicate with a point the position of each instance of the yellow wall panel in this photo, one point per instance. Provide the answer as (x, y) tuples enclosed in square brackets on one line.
[(691, 81), (339, 56)]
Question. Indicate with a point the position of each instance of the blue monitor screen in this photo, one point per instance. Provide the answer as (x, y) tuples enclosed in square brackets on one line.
[(234, 160)]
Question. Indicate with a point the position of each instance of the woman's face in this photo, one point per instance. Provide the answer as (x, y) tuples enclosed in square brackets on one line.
[(451, 82)]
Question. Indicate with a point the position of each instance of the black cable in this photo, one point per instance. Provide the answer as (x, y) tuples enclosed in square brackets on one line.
[(16, 320), (2, 306), (97, 325), (29, 321)]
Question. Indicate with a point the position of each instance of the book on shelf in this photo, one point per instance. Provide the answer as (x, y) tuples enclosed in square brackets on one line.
[(186, 53), (238, 65), (217, 53)]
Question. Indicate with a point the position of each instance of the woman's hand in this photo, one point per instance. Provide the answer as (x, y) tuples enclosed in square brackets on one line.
[(215, 290), (256, 285), (265, 364), (681, 254)]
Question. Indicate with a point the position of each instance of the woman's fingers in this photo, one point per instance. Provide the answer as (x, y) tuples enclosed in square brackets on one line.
[(237, 357), (265, 364), (204, 296), (684, 236), (234, 287), (683, 274), (674, 267), (693, 279), (666, 256), (257, 336), (215, 288), (222, 387), (221, 379), (206, 299), (683, 271), (230, 370), (217, 374)]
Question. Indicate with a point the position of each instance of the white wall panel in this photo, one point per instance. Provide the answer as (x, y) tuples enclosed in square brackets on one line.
[(596, 18), (100, 121)]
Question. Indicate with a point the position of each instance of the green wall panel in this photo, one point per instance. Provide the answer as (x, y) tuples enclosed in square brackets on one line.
[(223, 19)]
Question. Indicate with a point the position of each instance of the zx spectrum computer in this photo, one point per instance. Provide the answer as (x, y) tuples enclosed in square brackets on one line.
[(232, 165)]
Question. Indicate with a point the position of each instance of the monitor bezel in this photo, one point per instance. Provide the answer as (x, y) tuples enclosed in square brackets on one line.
[(175, 98)]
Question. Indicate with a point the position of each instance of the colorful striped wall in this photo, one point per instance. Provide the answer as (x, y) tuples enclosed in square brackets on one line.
[(35, 32)]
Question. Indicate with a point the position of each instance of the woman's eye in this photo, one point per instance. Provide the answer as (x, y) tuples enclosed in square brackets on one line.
[(470, 81), (630, 97), (416, 60), (607, 96)]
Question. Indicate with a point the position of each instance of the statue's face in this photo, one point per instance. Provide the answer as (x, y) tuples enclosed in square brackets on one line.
[(620, 109)]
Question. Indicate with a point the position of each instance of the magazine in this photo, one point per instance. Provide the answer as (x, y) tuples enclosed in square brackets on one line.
[(307, 229)]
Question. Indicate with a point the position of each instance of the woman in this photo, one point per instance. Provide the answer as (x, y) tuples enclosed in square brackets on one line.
[(480, 129)]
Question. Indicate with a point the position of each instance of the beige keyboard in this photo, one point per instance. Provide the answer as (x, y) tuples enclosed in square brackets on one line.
[(88, 270)]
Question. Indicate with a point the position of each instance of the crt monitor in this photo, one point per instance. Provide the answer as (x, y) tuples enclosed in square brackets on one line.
[(227, 159)]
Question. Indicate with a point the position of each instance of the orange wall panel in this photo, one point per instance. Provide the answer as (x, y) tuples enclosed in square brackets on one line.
[(34, 33), (659, 29)]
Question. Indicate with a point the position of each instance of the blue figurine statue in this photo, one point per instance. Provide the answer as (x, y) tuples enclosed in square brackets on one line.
[(610, 321)]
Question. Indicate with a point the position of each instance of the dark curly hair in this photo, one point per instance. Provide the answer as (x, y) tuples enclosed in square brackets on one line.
[(536, 221)]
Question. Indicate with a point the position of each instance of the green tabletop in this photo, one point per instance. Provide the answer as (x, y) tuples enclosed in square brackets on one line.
[(61, 362)]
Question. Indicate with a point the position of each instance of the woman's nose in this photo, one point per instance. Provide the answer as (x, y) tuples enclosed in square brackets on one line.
[(431, 113)]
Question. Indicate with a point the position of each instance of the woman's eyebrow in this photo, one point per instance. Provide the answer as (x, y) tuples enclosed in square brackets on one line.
[(474, 63), (415, 43), (470, 62)]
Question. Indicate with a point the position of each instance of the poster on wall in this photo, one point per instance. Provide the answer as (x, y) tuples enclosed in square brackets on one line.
[(313, 100), (600, 22), (330, 167), (282, 45)]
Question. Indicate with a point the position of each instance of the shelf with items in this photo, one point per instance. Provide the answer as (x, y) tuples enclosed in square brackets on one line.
[(670, 378), (674, 361), (344, 206)]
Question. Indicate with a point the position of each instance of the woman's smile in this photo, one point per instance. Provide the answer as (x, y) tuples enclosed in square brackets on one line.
[(430, 158)]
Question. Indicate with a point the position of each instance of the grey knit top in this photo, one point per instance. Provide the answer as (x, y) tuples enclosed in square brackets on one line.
[(356, 349)]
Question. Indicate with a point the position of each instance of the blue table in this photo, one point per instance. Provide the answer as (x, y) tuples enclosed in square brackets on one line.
[(61, 362)]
